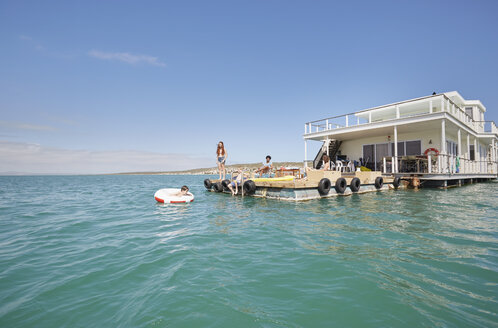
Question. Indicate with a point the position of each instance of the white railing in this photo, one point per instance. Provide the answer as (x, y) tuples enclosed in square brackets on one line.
[(409, 108), (441, 164), (489, 127)]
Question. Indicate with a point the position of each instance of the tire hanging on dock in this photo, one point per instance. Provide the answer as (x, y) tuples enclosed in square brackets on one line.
[(379, 182), (218, 187), (340, 185), (225, 184), (324, 186), (396, 182), (355, 185), (249, 187), (208, 184)]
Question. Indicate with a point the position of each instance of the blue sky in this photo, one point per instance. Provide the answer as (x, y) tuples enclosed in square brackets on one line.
[(109, 86)]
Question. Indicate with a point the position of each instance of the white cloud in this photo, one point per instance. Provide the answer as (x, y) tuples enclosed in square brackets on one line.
[(126, 57), (25, 126), (34, 158)]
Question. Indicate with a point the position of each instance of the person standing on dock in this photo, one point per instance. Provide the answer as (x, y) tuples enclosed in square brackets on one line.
[(221, 159)]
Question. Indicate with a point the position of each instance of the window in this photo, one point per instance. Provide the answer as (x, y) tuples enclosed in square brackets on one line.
[(468, 111), (401, 148), (472, 153), (369, 156), (413, 147)]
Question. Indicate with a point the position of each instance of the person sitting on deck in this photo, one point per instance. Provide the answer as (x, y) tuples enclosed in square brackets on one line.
[(236, 182), (326, 164), (266, 168)]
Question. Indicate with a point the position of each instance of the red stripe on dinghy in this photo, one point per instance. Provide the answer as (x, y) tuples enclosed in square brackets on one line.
[(159, 199), (177, 201)]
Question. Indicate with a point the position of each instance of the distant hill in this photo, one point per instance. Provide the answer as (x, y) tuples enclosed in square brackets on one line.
[(214, 170)]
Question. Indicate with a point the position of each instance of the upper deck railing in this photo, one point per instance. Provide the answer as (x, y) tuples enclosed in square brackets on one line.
[(408, 108)]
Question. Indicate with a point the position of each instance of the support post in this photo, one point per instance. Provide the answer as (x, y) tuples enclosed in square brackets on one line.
[(395, 161), (429, 164), (443, 144), (477, 158), (385, 166), (459, 152), (305, 153)]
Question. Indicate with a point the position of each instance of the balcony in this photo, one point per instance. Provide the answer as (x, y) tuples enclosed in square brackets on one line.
[(410, 108)]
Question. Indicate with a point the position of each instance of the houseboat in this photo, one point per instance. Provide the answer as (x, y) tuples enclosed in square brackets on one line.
[(441, 140)]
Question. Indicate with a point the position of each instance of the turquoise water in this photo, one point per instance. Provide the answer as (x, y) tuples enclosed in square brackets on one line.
[(98, 251)]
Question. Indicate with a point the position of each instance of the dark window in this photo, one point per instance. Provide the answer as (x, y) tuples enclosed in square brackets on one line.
[(413, 147), (401, 148), (368, 156), (472, 153)]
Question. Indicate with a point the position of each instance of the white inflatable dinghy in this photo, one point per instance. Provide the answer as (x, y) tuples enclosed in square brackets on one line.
[(170, 195)]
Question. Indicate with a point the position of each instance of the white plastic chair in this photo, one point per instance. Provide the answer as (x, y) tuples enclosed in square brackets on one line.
[(339, 166)]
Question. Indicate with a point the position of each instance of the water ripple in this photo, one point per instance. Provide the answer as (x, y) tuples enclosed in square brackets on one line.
[(99, 251)]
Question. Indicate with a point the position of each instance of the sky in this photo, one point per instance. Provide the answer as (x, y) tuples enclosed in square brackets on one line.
[(120, 86)]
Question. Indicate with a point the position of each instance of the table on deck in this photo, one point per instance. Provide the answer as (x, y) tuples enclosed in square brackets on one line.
[(282, 172)]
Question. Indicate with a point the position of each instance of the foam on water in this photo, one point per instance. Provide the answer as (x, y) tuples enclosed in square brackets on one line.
[(99, 251)]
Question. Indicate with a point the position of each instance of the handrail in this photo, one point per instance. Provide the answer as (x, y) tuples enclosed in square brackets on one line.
[(444, 98)]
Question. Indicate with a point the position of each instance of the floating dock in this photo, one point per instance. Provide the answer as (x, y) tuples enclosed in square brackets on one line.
[(317, 184)]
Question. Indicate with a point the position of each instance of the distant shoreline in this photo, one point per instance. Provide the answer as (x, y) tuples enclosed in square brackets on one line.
[(213, 170)]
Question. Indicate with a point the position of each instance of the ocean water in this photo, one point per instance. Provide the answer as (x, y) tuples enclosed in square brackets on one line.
[(98, 251)]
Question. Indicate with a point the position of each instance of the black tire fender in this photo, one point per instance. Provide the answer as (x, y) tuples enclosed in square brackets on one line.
[(225, 183), (396, 182), (324, 186), (208, 184), (218, 187), (249, 187), (379, 182), (340, 185), (355, 185)]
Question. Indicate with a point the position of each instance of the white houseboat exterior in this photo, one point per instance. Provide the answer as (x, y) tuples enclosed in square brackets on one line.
[(442, 139)]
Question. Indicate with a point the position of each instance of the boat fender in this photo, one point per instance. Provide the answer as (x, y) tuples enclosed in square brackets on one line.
[(249, 187), (225, 183), (324, 186), (218, 187), (396, 182), (355, 185), (208, 184), (432, 150), (340, 185), (379, 182)]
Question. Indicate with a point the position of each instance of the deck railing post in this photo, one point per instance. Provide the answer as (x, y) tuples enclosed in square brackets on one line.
[(370, 117), (347, 123), (429, 164), (326, 124), (397, 111), (430, 106), (385, 167)]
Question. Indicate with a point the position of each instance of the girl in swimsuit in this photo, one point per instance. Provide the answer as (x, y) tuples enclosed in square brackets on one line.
[(221, 155)]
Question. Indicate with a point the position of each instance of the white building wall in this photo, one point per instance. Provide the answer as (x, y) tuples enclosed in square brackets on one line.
[(354, 148)]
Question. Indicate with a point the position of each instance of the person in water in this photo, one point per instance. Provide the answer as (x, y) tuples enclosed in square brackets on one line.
[(266, 168), (236, 182), (221, 158), (183, 191)]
